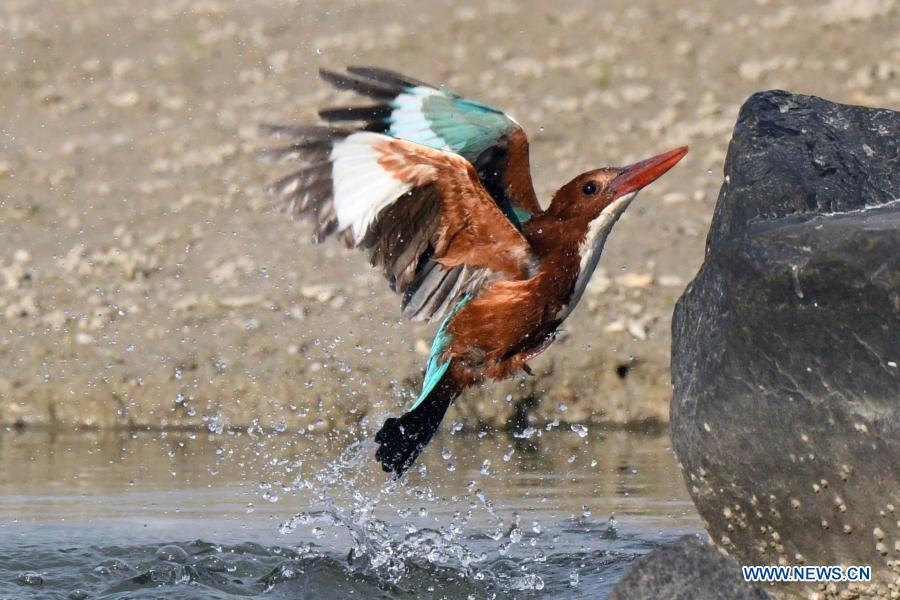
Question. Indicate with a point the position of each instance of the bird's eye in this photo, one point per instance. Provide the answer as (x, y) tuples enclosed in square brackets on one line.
[(589, 189)]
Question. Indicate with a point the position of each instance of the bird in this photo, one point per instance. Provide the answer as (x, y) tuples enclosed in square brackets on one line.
[(437, 189)]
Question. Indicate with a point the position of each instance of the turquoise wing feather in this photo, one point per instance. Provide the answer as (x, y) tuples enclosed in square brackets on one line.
[(418, 112), (490, 140), (447, 122), (436, 368)]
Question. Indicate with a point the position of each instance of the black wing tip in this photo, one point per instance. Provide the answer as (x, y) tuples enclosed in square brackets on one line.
[(303, 133), (368, 86), (370, 114), (387, 76), (332, 77)]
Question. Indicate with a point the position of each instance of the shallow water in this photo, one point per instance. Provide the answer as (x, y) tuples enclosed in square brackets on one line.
[(559, 513)]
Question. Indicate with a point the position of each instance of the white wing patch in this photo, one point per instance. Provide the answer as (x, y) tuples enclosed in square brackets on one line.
[(362, 186), (409, 123)]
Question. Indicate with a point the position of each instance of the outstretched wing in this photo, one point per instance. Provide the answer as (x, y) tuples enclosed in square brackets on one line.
[(423, 215), (411, 110)]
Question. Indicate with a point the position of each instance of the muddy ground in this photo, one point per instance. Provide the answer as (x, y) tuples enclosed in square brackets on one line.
[(145, 281)]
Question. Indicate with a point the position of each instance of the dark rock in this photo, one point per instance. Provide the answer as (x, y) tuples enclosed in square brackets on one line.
[(786, 346), (687, 570), (802, 155)]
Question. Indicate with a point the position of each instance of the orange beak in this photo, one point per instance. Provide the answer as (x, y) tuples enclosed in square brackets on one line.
[(642, 174)]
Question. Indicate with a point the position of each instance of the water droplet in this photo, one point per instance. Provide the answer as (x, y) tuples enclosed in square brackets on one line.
[(526, 433), (581, 430), (172, 553)]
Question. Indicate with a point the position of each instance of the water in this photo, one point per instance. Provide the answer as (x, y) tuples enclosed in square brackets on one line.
[(190, 515)]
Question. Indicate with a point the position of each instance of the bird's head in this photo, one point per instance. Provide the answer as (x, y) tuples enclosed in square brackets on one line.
[(608, 191)]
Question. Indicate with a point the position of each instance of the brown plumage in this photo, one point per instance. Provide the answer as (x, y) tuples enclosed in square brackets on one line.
[(470, 230), (438, 189)]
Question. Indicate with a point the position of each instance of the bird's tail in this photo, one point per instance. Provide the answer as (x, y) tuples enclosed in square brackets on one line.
[(401, 439)]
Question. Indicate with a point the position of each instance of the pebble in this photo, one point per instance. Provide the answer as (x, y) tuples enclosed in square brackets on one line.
[(635, 280), (83, 339), (422, 347), (637, 329), (616, 326), (670, 281), (126, 99), (319, 293), (241, 301), (674, 198)]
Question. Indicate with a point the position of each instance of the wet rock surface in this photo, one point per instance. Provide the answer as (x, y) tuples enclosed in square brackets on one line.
[(686, 570), (786, 346)]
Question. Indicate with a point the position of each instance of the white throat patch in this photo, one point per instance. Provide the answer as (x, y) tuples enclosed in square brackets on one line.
[(592, 248)]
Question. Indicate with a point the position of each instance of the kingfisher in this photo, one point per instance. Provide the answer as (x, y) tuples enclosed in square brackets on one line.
[(437, 189)]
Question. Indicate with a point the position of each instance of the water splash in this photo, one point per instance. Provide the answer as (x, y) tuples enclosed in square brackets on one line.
[(392, 552), (361, 534)]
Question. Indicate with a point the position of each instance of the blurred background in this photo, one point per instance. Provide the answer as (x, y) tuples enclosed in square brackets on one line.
[(145, 283)]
